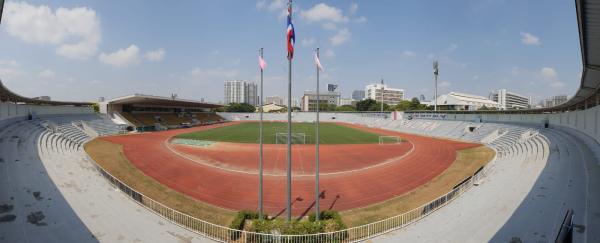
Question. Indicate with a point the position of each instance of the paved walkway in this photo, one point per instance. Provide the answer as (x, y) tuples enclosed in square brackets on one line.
[(61, 198), (523, 199)]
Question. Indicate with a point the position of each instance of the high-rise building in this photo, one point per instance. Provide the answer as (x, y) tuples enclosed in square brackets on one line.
[(239, 91), (509, 100), (274, 100), (391, 96), (358, 95), (554, 101), (559, 99), (309, 100)]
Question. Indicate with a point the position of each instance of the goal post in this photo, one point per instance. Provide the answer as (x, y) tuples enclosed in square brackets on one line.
[(297, 138), (389, 140)]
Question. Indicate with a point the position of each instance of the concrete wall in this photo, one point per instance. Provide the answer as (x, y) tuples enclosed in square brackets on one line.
[(10, 110), (586, 121)]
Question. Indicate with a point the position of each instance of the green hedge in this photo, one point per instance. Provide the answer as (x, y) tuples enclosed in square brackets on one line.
[(330, 221)]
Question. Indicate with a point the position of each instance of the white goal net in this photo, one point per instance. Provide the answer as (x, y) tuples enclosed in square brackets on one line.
[(389, 140), (297, 138)]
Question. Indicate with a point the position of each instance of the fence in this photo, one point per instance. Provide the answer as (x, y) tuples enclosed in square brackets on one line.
[(354, 234)]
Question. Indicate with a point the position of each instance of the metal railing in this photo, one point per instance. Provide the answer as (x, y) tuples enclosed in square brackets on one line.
[(354, 234)]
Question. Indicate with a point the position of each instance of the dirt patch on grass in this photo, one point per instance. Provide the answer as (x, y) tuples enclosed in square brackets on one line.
[(110, 157), (468, 161)]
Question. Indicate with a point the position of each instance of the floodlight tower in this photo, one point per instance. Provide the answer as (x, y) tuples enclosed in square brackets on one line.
[(435, 73)]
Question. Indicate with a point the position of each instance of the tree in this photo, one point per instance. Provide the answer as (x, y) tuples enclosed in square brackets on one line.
[(485, 108), (403, 105), (365, 105), (96, 107), (240, 107), (345, 108)]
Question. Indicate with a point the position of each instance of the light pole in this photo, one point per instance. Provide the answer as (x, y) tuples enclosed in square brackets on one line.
[(435, 73), (382, 91)]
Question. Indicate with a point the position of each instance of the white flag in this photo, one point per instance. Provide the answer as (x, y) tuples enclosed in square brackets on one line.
[(318, 62)]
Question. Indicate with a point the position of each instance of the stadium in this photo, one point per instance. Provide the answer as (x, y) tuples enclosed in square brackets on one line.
[(146, 168)]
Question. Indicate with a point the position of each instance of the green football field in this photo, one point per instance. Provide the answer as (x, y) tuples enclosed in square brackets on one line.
[(247, 132)]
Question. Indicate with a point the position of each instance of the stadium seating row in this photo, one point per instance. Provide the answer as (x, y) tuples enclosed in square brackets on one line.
[(170, 120)]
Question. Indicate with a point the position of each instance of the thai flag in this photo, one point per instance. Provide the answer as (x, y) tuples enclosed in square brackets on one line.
[(291, 35)]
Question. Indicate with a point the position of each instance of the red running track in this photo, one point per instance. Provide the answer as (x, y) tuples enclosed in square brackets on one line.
[(340, 191)]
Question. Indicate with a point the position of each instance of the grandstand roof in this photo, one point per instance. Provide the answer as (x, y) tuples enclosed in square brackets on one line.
[(7, 95), (588, 17), (152, 100), (455, 98)]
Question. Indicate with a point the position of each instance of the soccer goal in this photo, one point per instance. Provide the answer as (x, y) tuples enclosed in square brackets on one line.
[(389, 140), (297, 138)]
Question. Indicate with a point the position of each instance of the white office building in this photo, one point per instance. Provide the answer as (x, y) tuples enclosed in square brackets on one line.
[(391, 96), (309, 100), (509, 100), (239, 91), (464, 102)]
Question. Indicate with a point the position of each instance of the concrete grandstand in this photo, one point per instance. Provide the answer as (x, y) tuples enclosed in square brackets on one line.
[(149, 112), (547, 164)]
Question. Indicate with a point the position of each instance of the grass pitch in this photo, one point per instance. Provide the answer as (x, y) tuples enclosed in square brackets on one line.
[(247, 132)]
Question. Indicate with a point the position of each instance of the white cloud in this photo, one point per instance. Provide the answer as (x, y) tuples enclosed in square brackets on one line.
[(530, 39), (122, 57), (408, 53), (75, 32), (261, 4), (475, 77), (329, 26), (451, 48), (213, 74), (9, 73), (361, 19), (557, 84), (271, 5), (329, 54), (515, 70), (156, 55), (444, 84), (342, 36), (12, 63), (548, 73), (46, 74), (323, 12), (353, 8), (309, 41)]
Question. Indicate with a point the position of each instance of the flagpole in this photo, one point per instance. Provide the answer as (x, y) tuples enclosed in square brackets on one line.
[(317, 148), (260, 138), (289, 125), (289, 144)]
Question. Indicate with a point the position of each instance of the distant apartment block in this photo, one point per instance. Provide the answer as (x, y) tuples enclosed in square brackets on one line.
[(358, 95), (554, 101), (509, 100), (274, 100), (391, 96), (239, 91), (309, 99)]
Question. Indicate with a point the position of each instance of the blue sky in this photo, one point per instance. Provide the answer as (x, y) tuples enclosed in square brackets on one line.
[(80, 50)]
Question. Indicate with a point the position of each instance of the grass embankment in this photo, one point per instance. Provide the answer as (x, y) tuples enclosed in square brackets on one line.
[(110, 157), (247, 132), (467, 162)]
